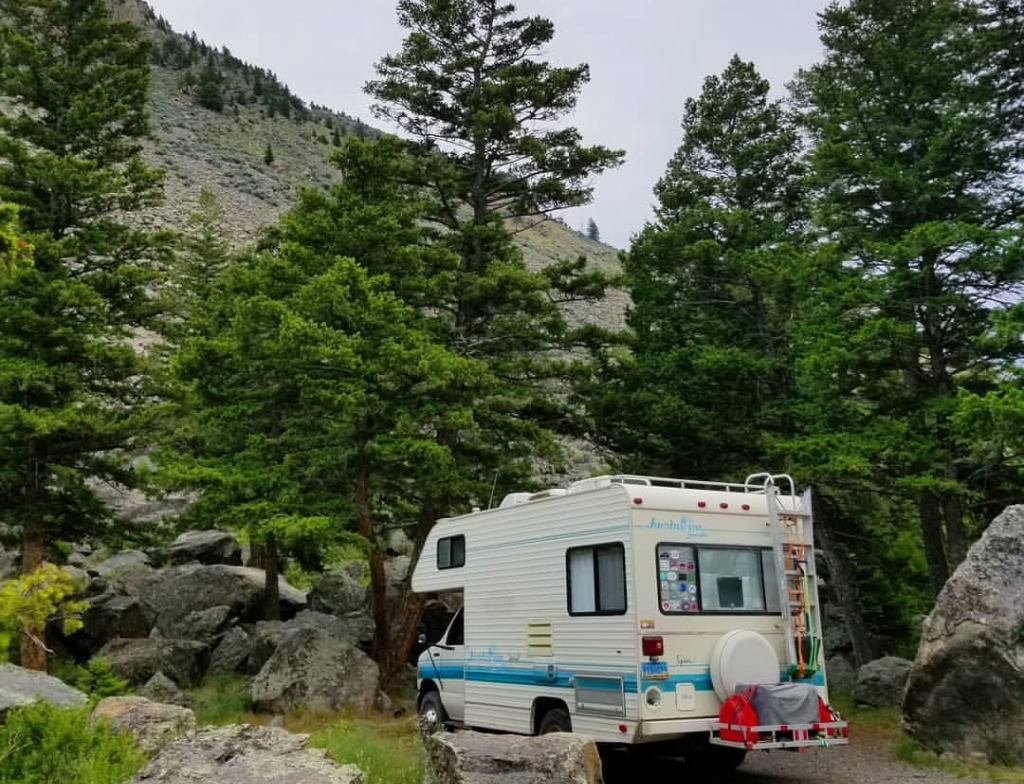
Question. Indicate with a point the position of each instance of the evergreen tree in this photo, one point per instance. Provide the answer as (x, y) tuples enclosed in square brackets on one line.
[(15, 251), (268, 155), (914, 162), (209, 93), (336, 137), (70, 397), (592, 231)]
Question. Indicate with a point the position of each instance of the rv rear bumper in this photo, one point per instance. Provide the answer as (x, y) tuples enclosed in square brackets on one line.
[(651, 730)]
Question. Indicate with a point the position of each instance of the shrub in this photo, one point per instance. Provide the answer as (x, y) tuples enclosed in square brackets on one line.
[(42, 744)]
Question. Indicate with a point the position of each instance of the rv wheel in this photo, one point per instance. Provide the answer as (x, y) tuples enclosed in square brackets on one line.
[(432, 711), (555, 720)]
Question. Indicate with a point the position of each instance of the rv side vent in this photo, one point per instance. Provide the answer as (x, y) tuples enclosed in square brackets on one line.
[(538, 638)]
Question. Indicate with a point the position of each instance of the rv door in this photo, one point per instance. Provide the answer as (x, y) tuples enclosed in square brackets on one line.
[(449, 661)]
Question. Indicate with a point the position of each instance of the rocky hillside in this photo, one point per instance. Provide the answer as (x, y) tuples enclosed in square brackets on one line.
[(215, 118)]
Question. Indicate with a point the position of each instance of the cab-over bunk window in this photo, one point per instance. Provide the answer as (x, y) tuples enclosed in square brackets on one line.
[(596, 579)]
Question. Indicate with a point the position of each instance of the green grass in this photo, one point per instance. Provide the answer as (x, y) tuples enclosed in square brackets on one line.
[(908, 750), (224, 699)]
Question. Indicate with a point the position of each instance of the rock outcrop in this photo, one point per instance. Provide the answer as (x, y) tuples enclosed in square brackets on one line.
[(19, 686), (232, 652), (139, 660), (206, 547), (153, 724), (241, 754), (964, 694), (880, 683), (162, 689), (475, 758)]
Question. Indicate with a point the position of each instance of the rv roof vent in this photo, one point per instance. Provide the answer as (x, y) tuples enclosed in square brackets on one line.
[(552, 492), (513, 499), (595, 482)]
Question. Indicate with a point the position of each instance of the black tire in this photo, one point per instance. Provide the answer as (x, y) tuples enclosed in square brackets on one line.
[(711, 759), (431, 710), (555, 720)]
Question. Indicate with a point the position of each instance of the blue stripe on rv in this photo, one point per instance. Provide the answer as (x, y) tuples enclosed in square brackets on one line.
[(529, 677)]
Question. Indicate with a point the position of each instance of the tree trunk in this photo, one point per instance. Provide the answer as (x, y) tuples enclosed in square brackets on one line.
[(930, 511), (378, 577), (32, 652), (32, 643), (271, 587), (864, 648), (257, 555)]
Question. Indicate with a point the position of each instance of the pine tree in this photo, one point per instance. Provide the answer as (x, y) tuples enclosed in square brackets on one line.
[(915, 164), (336, 137), (593, 232), (15, 251), (268, 155), (209, 94), (70, 398)]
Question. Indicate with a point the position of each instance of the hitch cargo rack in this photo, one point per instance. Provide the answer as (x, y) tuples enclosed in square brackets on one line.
[(783, 736)]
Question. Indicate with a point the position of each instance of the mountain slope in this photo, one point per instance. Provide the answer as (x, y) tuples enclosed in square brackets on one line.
[(225, 151)]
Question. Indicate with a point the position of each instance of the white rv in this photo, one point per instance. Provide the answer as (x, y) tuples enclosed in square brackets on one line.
[(630, 609)]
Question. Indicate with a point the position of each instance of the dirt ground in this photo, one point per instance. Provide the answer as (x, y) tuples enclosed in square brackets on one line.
[(867, 760)]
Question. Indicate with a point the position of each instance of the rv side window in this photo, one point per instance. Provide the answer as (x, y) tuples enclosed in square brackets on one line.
[(597, 580), (451, 552), (716, 580)]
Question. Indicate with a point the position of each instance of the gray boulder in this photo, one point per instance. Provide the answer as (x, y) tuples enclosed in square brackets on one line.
[(477, 758), (314, 669), (206, 547), (964, 694), (152, 724), (162, 689), (109, 616), (231, 653), (242, 754), (139, 660), (119, 562), (175, 592), (202, 625), (880, 682), (339, 593), (268, 635), (10, 564), (19, 686), (842, 676)]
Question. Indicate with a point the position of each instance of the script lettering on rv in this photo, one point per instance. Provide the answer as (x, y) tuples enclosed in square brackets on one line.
[(684, 525)]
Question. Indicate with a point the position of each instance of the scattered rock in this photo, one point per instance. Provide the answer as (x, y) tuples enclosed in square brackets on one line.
[(399, 543), (242, 754), (175, 592), (842, 676), (202, 625), (315, 669), (206, 547), (139, 660), (339, 593), (880, 682), (232, 652), (119, 562), (153, 724), (965, 687), (162, 689), (19, 686), (109, 616), (477, 758), (268, 636)]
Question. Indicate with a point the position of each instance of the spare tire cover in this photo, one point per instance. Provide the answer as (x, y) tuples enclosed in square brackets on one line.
[(742, 657)]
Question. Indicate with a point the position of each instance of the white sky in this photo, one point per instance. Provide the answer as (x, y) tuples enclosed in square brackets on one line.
[(646, 57)]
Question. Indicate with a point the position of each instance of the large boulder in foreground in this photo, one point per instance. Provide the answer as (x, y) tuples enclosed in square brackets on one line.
[(19, 686), (880, 683), (241, 754), (152, 724), (965, 693), (476, 758), (314, 669)]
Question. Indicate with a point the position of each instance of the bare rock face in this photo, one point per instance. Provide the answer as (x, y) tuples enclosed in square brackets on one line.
[(339, 593), (109, 616), (313, 668), (153, 724), (19, 686), (881, 682), (162, 689), (241, 754), (232, 652), (964, 694), (476, 758)]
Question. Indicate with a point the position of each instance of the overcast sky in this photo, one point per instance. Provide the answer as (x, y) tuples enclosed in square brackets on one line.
[(646, 58)]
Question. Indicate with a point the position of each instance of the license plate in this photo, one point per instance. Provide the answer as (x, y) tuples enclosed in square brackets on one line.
[(654, 669)]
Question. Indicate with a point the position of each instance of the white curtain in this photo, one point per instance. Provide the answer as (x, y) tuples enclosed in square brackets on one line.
[(581, 580)]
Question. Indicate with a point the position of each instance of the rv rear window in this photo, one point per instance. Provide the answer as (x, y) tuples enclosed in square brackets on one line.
[(716, 580), (597, 579), (451, 552)]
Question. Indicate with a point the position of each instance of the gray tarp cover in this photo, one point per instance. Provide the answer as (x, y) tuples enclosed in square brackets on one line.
[(784, 703)]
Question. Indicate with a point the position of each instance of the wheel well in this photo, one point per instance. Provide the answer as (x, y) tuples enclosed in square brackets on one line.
[(541, 706), (427, 686)]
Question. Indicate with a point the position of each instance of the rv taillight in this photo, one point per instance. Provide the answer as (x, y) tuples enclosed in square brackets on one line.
[(653, 646)]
